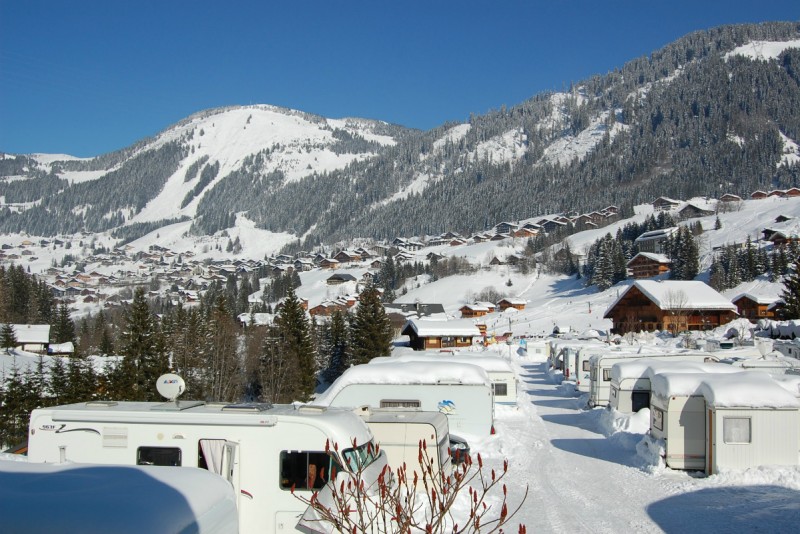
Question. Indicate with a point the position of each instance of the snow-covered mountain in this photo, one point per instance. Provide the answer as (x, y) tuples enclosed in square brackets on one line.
[(713, 112)]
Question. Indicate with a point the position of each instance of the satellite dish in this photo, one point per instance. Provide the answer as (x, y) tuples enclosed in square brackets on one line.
[(764, 346), (170, 386)]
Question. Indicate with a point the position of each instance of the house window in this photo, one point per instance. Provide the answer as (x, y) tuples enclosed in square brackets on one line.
[(306, 469), (658, 418), (400, 404), (170, 456), (500, 389), (736, 430)]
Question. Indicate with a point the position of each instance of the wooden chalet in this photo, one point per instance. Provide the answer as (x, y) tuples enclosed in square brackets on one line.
[(755, 307), (655, 240), (328, 263), (758, 195), (648, 264), (32, 337), (694, 210), (792, 192), (517, 304), (728, 197), (470, 311), (433, 335), (665, 204), (672, 305), (340, 278)]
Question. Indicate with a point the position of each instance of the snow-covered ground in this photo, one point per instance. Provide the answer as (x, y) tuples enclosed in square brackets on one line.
[(585, 475)]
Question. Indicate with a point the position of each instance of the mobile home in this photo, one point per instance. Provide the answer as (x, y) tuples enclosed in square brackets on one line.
[(461, 391), (264, 451), (751, 421), (399, 433), (501, 374)]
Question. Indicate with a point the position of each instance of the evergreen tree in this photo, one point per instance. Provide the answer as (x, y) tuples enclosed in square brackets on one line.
[(370, 330), (64, 327), (294, 341), (142, 362), (791, 293), (8, 337), (335, 337)]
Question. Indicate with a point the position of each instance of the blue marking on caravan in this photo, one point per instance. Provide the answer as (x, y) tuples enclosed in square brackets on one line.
[(447, 407)]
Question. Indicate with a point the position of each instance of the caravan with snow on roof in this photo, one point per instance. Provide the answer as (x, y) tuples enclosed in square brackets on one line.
[(263, 451), (601, 364), (461, 391), (630, 380), (501, 374)]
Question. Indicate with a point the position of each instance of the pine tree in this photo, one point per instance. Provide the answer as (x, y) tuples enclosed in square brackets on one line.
[(336, 343), (370, 330), (142, 362), (64, 327), (295, 345), (8, 336), (791, 293)]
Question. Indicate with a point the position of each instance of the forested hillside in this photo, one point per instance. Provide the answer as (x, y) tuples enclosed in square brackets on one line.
[(692, 119)]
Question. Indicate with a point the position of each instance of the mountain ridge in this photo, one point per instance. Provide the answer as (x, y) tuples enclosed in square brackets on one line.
[(679, 122)]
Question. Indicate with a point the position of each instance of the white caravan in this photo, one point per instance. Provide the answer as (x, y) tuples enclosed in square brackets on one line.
[(630, 380), (501, 374), (461, 391), (399, 433), (262, 450), (678, 418), (600, 364)]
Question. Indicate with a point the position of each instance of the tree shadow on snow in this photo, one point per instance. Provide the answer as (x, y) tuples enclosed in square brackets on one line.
[(729, 509)]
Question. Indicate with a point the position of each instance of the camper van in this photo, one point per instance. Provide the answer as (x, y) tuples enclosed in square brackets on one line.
[(461, 391), (400, 431), (501, 374), (264, 451)]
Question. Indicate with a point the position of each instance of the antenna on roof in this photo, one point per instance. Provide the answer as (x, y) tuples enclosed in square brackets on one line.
[(170, 386)]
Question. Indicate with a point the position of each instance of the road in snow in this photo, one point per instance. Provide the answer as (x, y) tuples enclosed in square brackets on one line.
[(581, 480)]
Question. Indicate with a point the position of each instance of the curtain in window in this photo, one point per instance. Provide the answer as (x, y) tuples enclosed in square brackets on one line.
[(212, 451)]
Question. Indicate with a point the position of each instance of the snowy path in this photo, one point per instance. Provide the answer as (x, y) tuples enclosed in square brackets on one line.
[(579, 480)]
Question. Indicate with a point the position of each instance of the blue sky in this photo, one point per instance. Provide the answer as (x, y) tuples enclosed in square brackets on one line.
[(87, 77)]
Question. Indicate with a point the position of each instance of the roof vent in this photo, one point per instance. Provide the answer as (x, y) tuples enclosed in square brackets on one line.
[(248, 407)]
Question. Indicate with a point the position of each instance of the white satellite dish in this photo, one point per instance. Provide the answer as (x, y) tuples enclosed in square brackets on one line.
[(764, 346), (170, 386)]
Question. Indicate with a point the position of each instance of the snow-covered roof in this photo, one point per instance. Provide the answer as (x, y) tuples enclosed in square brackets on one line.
[(649, 368), (759, 299), (405, 373), (32, 333), (746, 390), (662, 233), (493, 364), (679, 295), (514, 301), (114, 498), (458, 327), (660, 258)]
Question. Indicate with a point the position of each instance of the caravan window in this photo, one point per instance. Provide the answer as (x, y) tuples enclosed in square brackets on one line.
[(585, 365), (399, 403), (306, 469), (606, 375), (658, 418), (500, 389), (170, 456), (359, 457), (736, 429)]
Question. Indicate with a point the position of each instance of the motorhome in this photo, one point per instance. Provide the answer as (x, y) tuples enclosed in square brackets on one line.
[(630, 380), (264, 451), (399, 432), (501, 374), (463, 392)]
